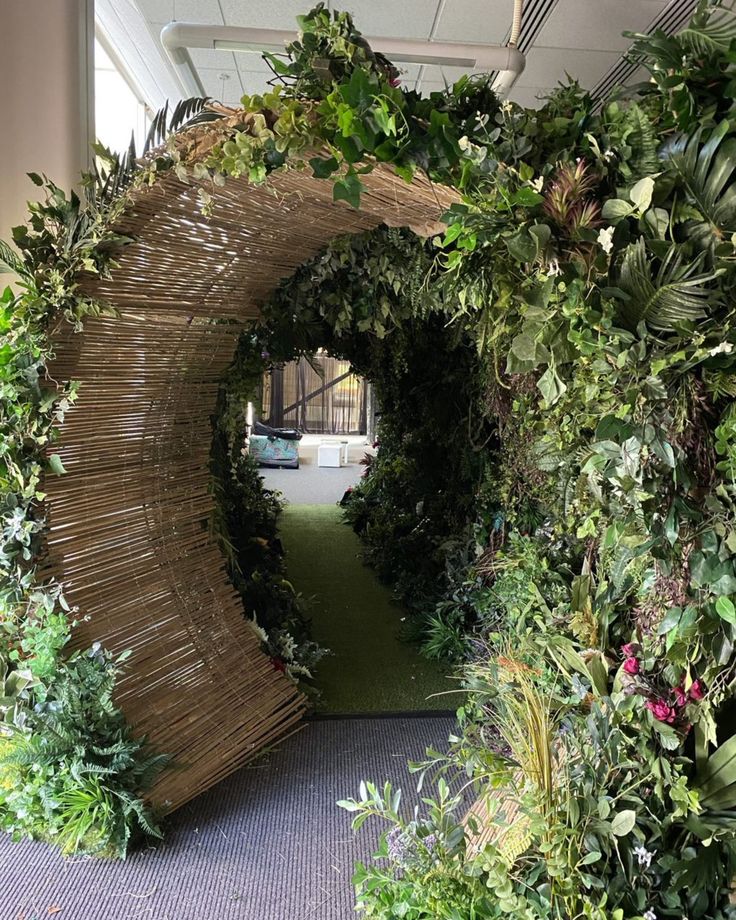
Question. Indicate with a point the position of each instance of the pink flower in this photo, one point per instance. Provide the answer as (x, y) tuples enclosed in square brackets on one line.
[(661, 711), (697, 690), (680, 697), (630, 649), (631, 665)]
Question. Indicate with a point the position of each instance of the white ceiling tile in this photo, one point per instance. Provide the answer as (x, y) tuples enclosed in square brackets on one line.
[(230, 91), (409, 74), (549, 66), (431, 86), (254, 82), (475, 21), (408, 19), (157, 10), (251, 63), (529, 96), (205, 11), (198, 11), (596, 24), (640, 75), (263, 14)]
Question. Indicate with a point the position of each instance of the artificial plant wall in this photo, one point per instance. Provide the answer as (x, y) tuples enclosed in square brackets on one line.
[(591, 266)]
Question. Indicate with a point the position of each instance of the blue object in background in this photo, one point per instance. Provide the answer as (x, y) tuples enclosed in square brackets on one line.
[(271, 451)]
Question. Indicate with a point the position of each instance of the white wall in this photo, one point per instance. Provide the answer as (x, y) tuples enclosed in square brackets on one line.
[(45, 108)]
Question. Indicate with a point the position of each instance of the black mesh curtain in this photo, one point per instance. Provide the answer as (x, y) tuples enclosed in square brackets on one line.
[(322, 396)]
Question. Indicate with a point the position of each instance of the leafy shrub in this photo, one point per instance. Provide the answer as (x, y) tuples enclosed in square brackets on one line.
[(71, 769)]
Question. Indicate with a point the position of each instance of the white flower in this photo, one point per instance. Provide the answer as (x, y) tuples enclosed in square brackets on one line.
[(553, 268), (537, 184), (650, 915), (725, 348), (609, 155), (258, 630), (644, 856), (605, 239), (507, 106)]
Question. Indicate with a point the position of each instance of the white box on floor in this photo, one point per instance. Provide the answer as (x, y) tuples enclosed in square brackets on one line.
[(329, 454)]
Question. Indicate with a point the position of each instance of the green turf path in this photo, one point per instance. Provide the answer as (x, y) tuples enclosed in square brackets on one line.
[(354, 615)]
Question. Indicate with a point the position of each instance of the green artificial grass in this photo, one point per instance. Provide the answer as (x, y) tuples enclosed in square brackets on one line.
[(353, 614)]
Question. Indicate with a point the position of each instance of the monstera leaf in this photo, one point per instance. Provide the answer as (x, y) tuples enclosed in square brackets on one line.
[(674, 293), (705, 166)]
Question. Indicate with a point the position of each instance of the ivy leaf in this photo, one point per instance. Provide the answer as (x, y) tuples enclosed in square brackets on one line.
[(55, 465), (524, 347), (405, 172), (385, 121), (542, 234), (323, 167), (522, 245), (526, 197), (623, 823), (348, 189), (551, 386)]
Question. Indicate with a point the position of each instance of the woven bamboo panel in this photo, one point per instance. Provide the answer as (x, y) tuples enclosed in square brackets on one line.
[(495, 818), (128, 523)]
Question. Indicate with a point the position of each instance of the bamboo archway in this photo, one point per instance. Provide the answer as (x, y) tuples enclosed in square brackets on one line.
[(128, 524)]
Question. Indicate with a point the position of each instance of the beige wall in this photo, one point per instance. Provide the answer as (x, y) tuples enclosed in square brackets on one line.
[(46, 74)]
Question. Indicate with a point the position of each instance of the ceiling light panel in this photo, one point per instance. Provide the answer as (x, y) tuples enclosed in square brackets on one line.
[(204, 58)]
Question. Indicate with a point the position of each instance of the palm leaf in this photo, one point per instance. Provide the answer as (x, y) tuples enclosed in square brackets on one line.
[(157, 131), (716, 779), (187, 113), (706, 168), (677, 293), (710, 31), (10, 261)]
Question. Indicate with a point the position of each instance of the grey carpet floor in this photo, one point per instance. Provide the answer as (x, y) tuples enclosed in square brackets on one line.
[(268, 843), (312, 484)]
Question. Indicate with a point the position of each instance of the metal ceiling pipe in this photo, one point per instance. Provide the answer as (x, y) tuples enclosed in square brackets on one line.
[(177, 37)]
